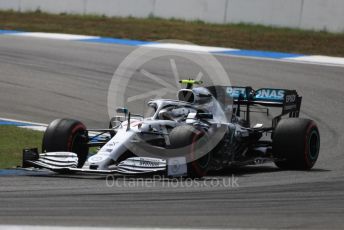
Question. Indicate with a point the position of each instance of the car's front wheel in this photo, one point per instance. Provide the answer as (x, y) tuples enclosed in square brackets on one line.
[(66, 135)]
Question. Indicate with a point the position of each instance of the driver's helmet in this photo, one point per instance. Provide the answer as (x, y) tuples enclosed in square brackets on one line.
[(197, 95)]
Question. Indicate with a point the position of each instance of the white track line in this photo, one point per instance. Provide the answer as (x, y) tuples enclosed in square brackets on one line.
[(27, 227), (318, 59), (33, 127), (188, 47), (55, 36)]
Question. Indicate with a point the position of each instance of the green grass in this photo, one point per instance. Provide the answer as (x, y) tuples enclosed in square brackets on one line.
[(12, 142), (241, 36)]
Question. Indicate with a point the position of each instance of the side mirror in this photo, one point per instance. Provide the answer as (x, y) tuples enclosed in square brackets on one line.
[(115, 121), (122, 110), (205, 115)]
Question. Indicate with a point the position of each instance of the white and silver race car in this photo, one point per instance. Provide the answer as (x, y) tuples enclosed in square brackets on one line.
[(207, 128)]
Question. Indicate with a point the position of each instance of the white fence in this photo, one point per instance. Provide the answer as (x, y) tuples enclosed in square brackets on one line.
[(305, 14)]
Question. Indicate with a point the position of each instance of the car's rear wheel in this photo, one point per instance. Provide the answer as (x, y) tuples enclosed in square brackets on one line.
[(296, 144), (66, 135), (187, 139)]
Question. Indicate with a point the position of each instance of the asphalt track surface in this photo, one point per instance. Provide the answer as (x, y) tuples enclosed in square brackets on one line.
[(45, 79)]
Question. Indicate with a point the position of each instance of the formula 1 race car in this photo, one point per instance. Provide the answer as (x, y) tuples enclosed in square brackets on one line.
[(206, 129)]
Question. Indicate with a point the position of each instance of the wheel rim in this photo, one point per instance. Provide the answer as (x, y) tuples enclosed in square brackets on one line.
[(313, 144), (77, 147), (76, 142)]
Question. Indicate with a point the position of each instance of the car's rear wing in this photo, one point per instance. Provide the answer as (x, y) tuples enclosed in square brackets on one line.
[(288, 100)]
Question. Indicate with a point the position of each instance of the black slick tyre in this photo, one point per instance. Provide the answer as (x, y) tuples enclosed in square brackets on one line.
[(66, 135), (296, 144)]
